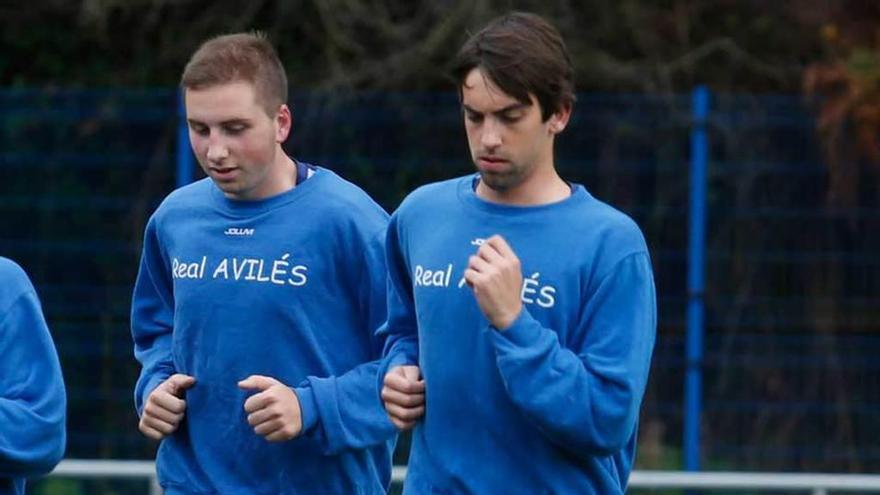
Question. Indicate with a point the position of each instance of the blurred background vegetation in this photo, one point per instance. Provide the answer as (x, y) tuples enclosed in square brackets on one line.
[(626, 45)]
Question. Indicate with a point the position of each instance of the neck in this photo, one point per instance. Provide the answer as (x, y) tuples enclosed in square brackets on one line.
[(284, 173)]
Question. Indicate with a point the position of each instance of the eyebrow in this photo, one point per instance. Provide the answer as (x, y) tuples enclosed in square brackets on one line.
[(508, 108)]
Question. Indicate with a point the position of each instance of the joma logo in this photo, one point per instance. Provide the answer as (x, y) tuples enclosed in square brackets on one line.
[(238, 231)]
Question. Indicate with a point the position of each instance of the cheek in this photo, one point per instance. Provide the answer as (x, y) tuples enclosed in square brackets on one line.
[(199, 144), (532, 139), (253, 151), (473, 136)]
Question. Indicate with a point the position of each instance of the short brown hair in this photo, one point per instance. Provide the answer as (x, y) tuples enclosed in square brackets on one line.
[(247, 57), (521, 53)]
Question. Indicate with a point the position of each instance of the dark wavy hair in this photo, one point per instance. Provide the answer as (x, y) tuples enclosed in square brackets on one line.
[(521, 53)]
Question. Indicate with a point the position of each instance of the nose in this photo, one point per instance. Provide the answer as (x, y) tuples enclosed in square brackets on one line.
[(491, 135), (217, 150)]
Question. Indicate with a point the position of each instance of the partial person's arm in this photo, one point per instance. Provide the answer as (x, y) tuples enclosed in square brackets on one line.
[(152, 319), (32, 397), (344, 411), (586, 400), (402, 388), (401, 330)]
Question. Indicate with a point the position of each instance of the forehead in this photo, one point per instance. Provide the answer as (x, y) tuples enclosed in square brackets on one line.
[(235, 100), (481, 94)]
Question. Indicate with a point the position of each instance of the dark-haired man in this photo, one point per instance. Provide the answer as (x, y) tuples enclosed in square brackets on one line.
[(521, 309)]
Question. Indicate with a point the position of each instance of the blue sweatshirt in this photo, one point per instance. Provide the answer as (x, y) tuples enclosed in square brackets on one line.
[(550, 405), (290, 287), (32, 397)]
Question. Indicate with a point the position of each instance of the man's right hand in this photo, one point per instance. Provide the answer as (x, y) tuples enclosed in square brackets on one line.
[(165, 406), (403, 393)]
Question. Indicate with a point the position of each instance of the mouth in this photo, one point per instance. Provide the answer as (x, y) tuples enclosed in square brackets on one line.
[(223, 173), (491, 163)]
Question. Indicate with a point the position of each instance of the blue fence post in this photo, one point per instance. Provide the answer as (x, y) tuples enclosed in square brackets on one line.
[(185, 162), (696, 278)]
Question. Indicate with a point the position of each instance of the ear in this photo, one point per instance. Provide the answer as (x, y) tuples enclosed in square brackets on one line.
[(283, 123), (559, 120)]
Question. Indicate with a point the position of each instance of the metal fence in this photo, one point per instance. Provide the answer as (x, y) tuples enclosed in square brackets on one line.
[(788, 378), (813, 483)]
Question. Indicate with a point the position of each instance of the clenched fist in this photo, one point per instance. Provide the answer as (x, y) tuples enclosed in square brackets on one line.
[(274, 411), (165, 407), (403, 392), (495, 276)]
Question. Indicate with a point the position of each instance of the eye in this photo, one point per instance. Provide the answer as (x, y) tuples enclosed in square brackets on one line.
[(510, 117), (472, 116), (201, 130), (234, 129)]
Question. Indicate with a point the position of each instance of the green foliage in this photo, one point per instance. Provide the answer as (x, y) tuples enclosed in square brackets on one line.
[(407, 44), (57, 486)]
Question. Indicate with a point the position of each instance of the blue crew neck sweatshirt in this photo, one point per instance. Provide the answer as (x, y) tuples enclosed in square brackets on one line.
[(551, 404), (290, 287), (32, 397)]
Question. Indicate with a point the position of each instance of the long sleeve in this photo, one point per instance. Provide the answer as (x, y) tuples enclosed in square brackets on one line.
[(586, 400), (152, 318), (401, 329), (32, 396), (344, 409)]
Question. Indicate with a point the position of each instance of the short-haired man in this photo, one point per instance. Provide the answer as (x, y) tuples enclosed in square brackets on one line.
[(254, 308), (32, 397), (521, 309)]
